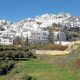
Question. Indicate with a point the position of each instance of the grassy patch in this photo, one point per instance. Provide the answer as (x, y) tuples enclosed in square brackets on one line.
[(47, 67), (41, 70)]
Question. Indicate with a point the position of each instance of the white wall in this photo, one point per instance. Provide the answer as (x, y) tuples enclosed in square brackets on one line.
[(6, 41), (6, 37)]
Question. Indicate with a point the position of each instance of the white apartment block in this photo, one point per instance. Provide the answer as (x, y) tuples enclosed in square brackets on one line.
[(71, 24), (37, 37), (41, 37), (6, 38)]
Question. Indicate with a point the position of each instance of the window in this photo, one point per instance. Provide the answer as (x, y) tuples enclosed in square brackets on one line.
[(5, 41), (39, 37), (10, 40), (0, 33), (38, 33), (42, 37), (44, 34), (46, 38), (33, 33)]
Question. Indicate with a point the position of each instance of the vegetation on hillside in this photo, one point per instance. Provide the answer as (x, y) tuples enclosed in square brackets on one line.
[(9, 55), (50, 47), (54, 27)]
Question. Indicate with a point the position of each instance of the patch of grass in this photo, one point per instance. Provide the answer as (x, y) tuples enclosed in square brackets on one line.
[(47, 67), (42, 70)]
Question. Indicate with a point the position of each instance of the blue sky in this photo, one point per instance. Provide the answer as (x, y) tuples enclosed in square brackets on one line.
[(17, 10)]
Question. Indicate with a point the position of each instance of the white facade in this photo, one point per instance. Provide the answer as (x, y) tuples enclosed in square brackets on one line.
[(59, 36), (18, 34), (62, 43), (6, 37), (71, 24), (41, 37), (38, 37)]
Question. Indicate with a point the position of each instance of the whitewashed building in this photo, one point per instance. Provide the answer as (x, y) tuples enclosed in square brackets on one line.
[(41, 37), (72, 24), (59, 36), (37, 37), (6, 38)]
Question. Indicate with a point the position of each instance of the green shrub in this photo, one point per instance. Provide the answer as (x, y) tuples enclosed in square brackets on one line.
[(51, 47)]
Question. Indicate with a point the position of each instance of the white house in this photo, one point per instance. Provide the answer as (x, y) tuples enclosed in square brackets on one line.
[(6, 37)]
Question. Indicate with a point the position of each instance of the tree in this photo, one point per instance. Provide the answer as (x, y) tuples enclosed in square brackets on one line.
[(51, 37), (56, 27), (17, 41), (26, 42)]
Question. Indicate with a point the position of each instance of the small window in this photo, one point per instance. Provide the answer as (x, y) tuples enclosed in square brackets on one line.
[(46, 38), (42, 37), (5, 41), (0, 33), (39, 37), (10, 40), (44, 34)]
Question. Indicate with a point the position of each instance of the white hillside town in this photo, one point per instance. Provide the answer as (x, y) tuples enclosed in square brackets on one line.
[(33, 28)]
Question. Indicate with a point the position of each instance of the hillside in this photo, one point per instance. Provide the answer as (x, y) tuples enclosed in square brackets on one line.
[(40, 22)]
